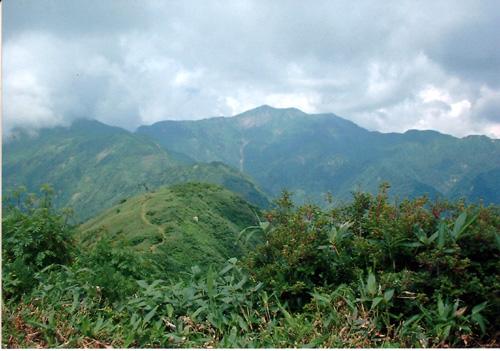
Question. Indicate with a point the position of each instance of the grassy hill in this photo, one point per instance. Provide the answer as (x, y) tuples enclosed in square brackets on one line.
[(313, 154), (92, 166), (218, 173), (183, 225)]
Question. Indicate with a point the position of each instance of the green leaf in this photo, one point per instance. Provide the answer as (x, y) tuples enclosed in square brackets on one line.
[(134, 321), (233, 336), (466, 225), (371, 284), (258, 286), (128, 340), (170, 310), (388, 295), (323, 298), (76, 301), (264, 226), (98, 325), (432, 238), (252, 228), (249, 236), (441, 232), (440, 306), (142, 284), (376, 301), (287, 315), (210, 283), (150, 315), (421, 235), (459, 224), (195, 270), (156, 282), (198, 311), (241, 283), (446, 332), (226, 269), (479, 308), (476, 317), (242, 324), (412, 319)]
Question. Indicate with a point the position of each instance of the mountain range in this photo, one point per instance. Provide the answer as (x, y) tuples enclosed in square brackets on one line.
[(93, 166), (314, 154), (256, 154)]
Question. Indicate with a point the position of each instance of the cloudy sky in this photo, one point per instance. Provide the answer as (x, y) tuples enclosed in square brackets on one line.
[(386, 65)]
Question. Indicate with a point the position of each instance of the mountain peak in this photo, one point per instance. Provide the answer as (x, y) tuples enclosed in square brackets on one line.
[(266, 110), (263, 108)]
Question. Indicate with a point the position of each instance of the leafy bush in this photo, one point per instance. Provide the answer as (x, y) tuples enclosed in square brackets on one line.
[(421, 251), (34, 236), (291, 261), (368, 274), (115, 270)]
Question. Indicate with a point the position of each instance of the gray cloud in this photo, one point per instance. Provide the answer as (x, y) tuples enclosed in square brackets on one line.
[(388, 66), (488, 106)]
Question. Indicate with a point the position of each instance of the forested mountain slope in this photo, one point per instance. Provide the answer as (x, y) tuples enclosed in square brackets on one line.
[(314, 154), (92, 166)]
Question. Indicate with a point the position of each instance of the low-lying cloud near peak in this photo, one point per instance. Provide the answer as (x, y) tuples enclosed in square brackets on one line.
[(387, 66)]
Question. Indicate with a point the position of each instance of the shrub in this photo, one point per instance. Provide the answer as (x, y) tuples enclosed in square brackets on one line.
[(34, 236)]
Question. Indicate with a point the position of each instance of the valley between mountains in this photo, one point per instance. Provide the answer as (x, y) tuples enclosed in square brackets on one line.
[(271, 228), (256, 154)]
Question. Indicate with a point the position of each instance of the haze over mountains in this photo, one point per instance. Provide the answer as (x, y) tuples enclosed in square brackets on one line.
[(93, 166)]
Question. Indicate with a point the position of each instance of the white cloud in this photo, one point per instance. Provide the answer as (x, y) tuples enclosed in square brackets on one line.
[(306, 102), (185, 60), (487, 106), (432, 93), (27, 99)]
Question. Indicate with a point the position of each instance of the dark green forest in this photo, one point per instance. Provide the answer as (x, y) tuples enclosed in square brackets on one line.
[(372, 272)]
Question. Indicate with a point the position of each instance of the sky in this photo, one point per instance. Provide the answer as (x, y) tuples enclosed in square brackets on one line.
[(386, 65)]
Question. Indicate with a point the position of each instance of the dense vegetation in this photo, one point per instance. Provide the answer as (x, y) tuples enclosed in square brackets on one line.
[(179, 226), (368, 274)]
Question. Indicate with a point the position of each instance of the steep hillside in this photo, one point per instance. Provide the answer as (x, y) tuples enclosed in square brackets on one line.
[(485, 186), (313, 154), (183, 225), (92, 166)]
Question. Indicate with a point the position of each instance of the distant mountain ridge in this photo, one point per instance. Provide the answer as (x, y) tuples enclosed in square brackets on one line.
[(256, 154), (92, 166), (315, 154)]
